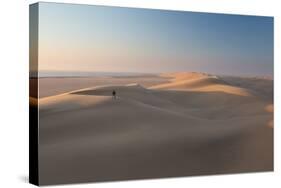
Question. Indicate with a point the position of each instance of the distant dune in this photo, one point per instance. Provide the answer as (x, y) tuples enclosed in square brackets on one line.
[(183, 124), (202, 83)]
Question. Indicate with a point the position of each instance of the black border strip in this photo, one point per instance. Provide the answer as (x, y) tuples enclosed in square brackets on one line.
[(33, 94)]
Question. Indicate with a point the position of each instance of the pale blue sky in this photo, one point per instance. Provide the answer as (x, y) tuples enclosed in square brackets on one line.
[(113, 39)]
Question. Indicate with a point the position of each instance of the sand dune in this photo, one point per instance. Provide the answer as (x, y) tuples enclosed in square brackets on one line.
[(193, 124), (53, 86), (200, 82)]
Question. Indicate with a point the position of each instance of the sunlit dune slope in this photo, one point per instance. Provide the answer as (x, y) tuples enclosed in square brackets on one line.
[(200, 82)]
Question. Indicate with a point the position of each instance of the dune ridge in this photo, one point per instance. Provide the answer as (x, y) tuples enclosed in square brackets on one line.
[(200, 82)]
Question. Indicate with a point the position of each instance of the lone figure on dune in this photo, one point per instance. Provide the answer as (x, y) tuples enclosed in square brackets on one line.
[(114, 94)]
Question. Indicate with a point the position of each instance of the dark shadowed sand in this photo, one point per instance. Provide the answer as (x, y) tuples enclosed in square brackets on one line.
[(159, 126)]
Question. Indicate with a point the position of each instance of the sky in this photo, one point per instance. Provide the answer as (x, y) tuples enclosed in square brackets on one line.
[(114, 39)]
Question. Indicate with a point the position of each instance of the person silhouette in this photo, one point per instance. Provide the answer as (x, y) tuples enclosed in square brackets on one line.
[(114, 94)]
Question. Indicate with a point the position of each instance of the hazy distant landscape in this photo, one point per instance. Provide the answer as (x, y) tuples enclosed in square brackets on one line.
[(159, 126)]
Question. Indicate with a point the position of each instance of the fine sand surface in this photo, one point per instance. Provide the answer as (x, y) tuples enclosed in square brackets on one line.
[(161, 126)]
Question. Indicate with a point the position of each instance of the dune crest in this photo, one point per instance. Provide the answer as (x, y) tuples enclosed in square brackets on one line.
[(200, 82)]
